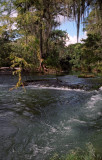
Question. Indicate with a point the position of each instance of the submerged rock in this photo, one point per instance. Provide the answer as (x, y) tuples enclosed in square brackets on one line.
[(57, 82)]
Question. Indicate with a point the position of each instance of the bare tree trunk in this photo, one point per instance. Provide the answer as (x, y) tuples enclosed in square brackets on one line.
[(41, 42)]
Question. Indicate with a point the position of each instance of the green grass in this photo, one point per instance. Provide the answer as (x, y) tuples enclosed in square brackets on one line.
[(89, 154)]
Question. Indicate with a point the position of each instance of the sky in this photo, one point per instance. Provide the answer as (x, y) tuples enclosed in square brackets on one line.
[(71, 29), (68, 26)]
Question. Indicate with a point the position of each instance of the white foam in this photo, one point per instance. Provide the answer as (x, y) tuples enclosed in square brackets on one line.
[(54, 88), (53, 130), (67, 128), (94, 99), (42, 150), (93, 107), (100, 88), (77, 120), (99, 113)]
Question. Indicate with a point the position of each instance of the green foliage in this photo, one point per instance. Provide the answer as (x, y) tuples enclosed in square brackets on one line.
[(28, 51), (71, 58), (74, 52), (85, 57), (93, 23), (91, 52), (20, 63), (39, 42), (57, 48)]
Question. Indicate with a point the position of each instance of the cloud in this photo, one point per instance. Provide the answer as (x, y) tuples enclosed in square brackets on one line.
[(61, 19), (84, 36), (73, 39)]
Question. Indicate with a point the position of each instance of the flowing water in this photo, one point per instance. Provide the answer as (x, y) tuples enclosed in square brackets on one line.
[(45, 120)]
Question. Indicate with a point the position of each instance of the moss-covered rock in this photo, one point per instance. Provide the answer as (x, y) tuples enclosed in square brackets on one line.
[(86, 76)]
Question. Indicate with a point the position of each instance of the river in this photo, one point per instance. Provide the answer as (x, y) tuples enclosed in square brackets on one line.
[(36, 124)]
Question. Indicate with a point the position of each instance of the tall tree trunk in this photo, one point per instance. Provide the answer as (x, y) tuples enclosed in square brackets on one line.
[(41, 41), (41, 48)]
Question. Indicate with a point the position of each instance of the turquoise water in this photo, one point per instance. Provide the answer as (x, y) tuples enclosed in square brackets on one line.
[(45, 120)]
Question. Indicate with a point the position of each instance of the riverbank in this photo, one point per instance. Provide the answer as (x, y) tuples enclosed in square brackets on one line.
[(7, 70), (49, 71)]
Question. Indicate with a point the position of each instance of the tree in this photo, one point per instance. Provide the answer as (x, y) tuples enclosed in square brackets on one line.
[(57, 43), (92, 53), (36, 24), (71, 60)]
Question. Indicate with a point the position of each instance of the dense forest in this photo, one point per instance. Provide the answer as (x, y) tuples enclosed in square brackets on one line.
[(59, 109), (31, 41)]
